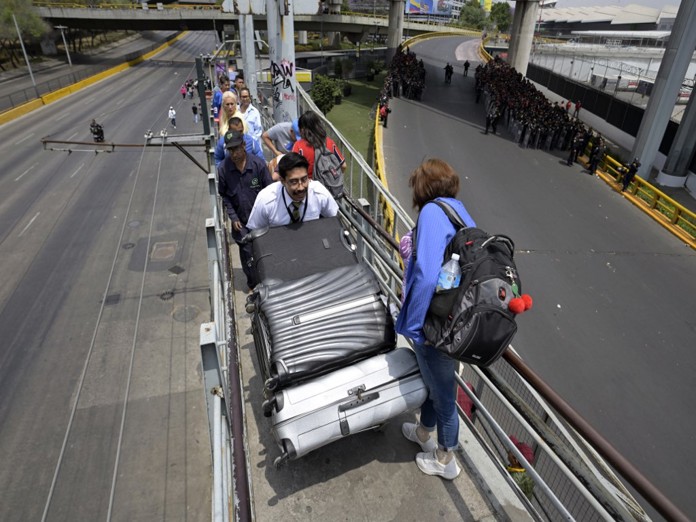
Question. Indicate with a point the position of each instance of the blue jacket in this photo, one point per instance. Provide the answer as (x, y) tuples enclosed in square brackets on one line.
[(238, 190), (250, 144), (434, 234)]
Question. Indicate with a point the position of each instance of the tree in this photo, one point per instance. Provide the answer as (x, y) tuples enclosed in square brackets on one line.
[(500, 16), (323, 92), (473, 16), (30, 24)]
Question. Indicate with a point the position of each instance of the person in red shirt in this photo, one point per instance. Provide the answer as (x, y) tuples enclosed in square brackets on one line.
[(314, 137), (568, 105), (577, 109)]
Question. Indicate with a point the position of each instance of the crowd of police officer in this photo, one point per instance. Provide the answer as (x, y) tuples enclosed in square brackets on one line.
[(406, 75), (532, 119)]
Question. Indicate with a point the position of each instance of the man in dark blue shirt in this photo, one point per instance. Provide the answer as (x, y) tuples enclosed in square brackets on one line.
[(240, 178)]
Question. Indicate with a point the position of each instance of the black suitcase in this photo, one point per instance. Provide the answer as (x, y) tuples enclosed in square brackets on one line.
[(319, 323), (301, 249)]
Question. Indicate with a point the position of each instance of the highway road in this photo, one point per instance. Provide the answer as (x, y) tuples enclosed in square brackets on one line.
[(50, 74), (614, 319), (105, 284)]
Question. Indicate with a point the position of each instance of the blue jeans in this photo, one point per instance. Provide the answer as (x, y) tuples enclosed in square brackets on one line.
[(440, 408)]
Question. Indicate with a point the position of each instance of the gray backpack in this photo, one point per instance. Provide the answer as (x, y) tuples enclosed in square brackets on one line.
[(327, 171)]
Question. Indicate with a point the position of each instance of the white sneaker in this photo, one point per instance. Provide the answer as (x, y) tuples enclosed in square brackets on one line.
[(409, 431), (428, 464)]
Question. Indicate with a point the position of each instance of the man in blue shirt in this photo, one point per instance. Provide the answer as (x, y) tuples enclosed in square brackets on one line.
[(240, 178)]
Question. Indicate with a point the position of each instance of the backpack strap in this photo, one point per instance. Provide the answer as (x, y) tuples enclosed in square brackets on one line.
[(451, 214)]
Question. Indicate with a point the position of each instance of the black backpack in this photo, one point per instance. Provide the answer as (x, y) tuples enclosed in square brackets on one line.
[(473, 323), (327, 170)]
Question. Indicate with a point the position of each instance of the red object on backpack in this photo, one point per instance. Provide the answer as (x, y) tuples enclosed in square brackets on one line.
[(383, 112)]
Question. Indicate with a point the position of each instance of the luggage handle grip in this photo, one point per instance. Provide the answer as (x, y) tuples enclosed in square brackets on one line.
[(359, 401), (362, 399)]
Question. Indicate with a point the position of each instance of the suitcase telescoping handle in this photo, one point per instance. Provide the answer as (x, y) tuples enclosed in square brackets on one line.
[(360, 399)]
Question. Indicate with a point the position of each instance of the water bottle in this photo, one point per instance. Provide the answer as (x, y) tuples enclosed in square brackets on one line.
[(450, 274)]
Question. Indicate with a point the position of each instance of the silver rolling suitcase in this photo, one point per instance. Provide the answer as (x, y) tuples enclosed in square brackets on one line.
[(346, 401)]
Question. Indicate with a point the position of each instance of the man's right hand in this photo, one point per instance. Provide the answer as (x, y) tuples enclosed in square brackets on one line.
[(237, 225)]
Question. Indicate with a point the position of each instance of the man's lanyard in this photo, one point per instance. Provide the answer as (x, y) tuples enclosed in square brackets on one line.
[(287, 207)]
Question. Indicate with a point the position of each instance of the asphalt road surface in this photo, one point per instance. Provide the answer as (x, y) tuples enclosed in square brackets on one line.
[(105, 284), (613, 324)]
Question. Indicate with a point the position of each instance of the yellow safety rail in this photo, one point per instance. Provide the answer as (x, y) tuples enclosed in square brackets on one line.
[(387, 210), (658, 205)]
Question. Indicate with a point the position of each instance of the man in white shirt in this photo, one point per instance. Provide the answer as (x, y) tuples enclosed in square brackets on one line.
[(293, 199), (251, 114)]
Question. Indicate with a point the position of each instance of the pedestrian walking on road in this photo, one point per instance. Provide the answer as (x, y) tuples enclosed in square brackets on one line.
[(629, 173), (183, 92), (448, 73), (597, 154), (172, 116), (466, 68), (194, 109)]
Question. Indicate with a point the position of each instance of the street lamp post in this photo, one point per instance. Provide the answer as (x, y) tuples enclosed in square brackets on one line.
[(26, 58), (65, 43)]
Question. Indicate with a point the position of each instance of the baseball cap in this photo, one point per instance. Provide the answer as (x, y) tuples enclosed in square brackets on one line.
[(296, 129), (233, 139)]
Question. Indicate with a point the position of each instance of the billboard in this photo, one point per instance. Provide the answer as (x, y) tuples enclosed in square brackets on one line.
[(429, 7)]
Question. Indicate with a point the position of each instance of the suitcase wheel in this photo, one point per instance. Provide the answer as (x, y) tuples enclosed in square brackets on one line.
[(279, 461), (272, 384), (268, 407), (250, 307)]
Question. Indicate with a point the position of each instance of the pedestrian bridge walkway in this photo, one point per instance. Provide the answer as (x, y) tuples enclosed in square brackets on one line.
[(205, 18)]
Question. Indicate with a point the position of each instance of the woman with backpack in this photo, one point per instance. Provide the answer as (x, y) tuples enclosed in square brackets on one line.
[(433, 179), (314, 137)]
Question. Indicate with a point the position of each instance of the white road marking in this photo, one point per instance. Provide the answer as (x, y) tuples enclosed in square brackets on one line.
[(71, 137), (23, 173), (78, 170), (63, 116), (29, 224), (24, 138)]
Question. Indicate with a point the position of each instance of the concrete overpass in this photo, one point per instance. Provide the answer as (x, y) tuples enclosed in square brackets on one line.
[(174, 18)]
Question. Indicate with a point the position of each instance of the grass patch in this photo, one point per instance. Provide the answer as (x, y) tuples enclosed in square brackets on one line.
[(354, 117)]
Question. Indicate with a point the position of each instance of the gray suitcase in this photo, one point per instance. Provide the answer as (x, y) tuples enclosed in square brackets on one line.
[(346, 401), (319, 323)]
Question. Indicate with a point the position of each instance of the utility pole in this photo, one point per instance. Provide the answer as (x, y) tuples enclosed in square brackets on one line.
[(65, 43), (26, 58)]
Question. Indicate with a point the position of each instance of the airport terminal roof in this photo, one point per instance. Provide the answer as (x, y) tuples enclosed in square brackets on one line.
[(614, 15), (655, 35)]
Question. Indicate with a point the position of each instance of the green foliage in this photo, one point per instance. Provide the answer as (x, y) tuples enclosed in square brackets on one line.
[(473, 16), (29, 22), (500, 16), (376, 65), (324, 91)]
